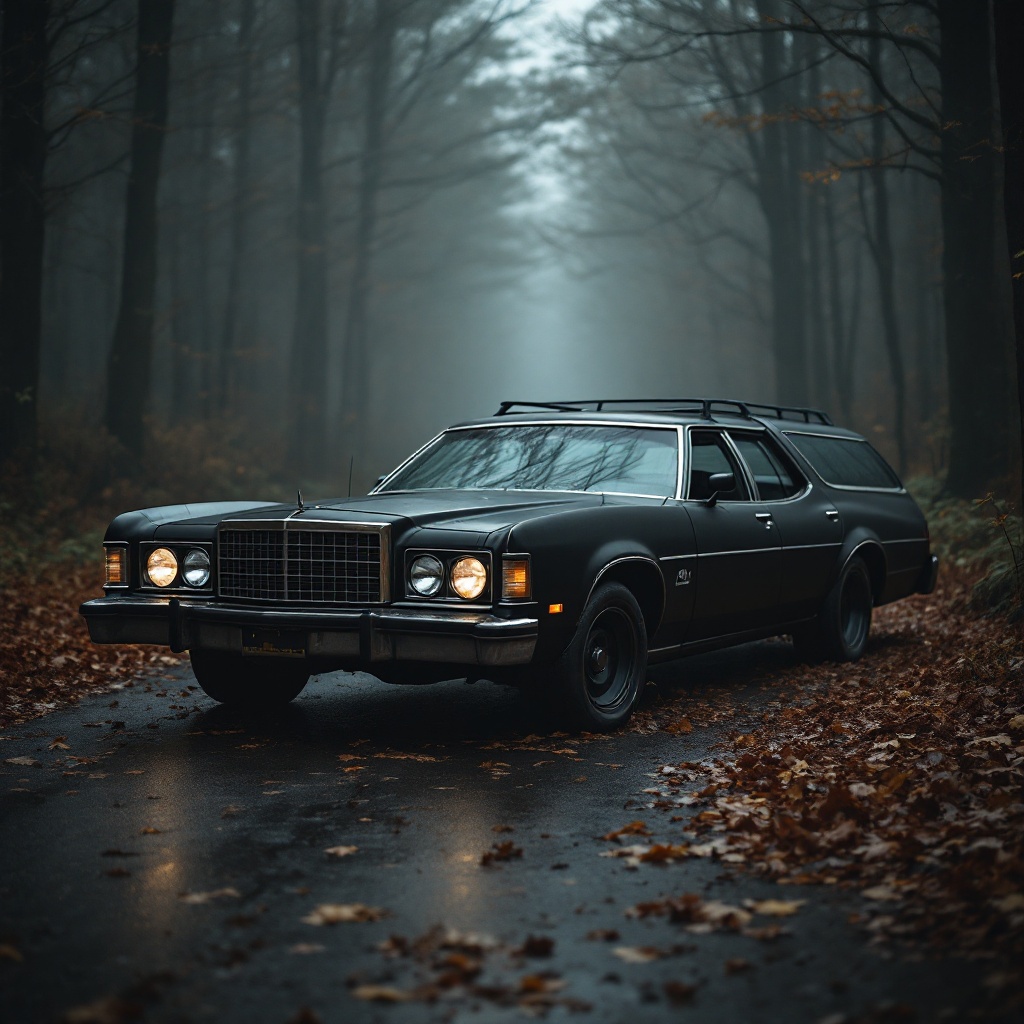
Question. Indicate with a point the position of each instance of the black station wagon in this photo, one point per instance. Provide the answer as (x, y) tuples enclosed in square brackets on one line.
[(559, 546)]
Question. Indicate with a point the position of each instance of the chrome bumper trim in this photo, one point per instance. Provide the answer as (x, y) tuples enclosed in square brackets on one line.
[(394, 634)]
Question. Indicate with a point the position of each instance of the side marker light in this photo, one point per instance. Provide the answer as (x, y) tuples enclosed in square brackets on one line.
[(554, 609)]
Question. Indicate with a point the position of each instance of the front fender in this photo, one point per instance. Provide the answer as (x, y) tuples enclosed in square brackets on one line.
[(570, 552)]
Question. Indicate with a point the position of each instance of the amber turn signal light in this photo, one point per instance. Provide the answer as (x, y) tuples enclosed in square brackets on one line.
[(515, 579), (115, 570)]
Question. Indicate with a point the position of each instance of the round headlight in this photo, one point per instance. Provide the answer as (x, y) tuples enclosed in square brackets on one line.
[(469, 577), (161, 567), (426, 574), (196, 568)]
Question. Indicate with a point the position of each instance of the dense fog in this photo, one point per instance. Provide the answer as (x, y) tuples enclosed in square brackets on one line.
[(326, 229)]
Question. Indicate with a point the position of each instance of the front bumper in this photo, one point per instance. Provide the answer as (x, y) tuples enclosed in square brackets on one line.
[(387, 634)]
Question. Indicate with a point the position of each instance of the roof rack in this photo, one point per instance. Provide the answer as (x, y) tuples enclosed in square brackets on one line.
[(703, 407)]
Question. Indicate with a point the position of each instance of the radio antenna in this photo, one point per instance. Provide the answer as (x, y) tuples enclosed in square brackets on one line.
[(351, 463)]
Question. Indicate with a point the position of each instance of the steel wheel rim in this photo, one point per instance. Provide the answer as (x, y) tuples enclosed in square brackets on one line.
[(855, 610), (609, 657)]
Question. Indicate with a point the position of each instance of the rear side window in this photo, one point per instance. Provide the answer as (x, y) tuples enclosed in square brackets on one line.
[(845, 461), (773, 473)]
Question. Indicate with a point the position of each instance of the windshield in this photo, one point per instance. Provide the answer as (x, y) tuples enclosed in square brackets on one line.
[(549, 457)]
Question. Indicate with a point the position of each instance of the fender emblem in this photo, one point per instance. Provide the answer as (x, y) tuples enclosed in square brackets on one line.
[(683, 577)]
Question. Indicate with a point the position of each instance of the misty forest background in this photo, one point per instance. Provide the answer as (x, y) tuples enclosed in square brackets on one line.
[(248, 243)]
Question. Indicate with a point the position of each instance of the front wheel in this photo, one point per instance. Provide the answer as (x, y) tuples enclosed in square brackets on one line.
[(840, 633), (248, 682), (603, 670)]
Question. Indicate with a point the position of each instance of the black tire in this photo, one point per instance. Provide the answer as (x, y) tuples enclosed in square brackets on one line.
[(603, 670), (248, 682), (840, 632)]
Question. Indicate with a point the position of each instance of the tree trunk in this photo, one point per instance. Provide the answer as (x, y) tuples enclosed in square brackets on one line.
[(1009, 36), (815, 196), (837, 326), (355, 374), (23, 146), (308, 379), (128, 368), (879, 237), (976, 350), (223, 361), (778, 195)]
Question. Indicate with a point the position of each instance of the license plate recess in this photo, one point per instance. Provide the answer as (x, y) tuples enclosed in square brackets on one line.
[(279, 643)]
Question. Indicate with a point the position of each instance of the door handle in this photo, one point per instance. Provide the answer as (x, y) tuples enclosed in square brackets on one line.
[(833, 514), (764, 517)]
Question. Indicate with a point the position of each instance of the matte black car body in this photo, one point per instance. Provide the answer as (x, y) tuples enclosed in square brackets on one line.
[(699, 569)]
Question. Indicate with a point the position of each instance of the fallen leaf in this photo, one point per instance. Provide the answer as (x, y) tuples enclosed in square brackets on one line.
[(341, 851), (500, 852), (679, 993), (883, 893), (23, 762), (343, 913), (108, 1010), (634, 828), (197, 898), (637, 954), (774, 908), (381, 994), (536, 945)]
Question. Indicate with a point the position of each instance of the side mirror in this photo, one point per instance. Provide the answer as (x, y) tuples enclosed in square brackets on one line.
[(717, 483)]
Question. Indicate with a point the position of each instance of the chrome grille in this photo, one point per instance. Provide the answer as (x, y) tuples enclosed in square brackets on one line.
[(290, 562)]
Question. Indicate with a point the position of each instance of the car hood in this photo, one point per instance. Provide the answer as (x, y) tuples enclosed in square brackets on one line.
[(479, 511)]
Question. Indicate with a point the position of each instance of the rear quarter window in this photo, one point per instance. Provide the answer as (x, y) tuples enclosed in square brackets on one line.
[(845, 462)]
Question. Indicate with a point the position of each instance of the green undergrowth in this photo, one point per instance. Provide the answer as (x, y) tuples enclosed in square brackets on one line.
[(982, 536)]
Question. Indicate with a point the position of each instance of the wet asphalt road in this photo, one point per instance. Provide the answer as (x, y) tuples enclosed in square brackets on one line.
[(162, 794)]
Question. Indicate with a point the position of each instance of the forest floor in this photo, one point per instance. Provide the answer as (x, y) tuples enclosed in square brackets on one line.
[(900, 777)]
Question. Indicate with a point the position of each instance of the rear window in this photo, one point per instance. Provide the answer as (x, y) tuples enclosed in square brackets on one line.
[(844, 461)]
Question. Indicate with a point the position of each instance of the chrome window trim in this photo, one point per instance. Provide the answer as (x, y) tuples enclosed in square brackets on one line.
[(447, 556), (146, 586), (852, 440), (802, 493), (324, 526), (677, 428), (743, 467), (748, 476), (127, 565)]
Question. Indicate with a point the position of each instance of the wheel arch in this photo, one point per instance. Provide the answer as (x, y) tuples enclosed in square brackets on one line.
[(871, 552), (640, 575)]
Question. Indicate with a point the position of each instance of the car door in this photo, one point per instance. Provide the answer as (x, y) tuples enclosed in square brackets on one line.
[(805, 519), (738, 560)]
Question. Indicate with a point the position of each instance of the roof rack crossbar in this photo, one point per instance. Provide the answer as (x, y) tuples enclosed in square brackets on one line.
[(705, 407)]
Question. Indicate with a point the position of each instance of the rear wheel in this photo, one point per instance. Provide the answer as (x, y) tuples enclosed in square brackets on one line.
[(602, 672), (840, 633), (248, 682)]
